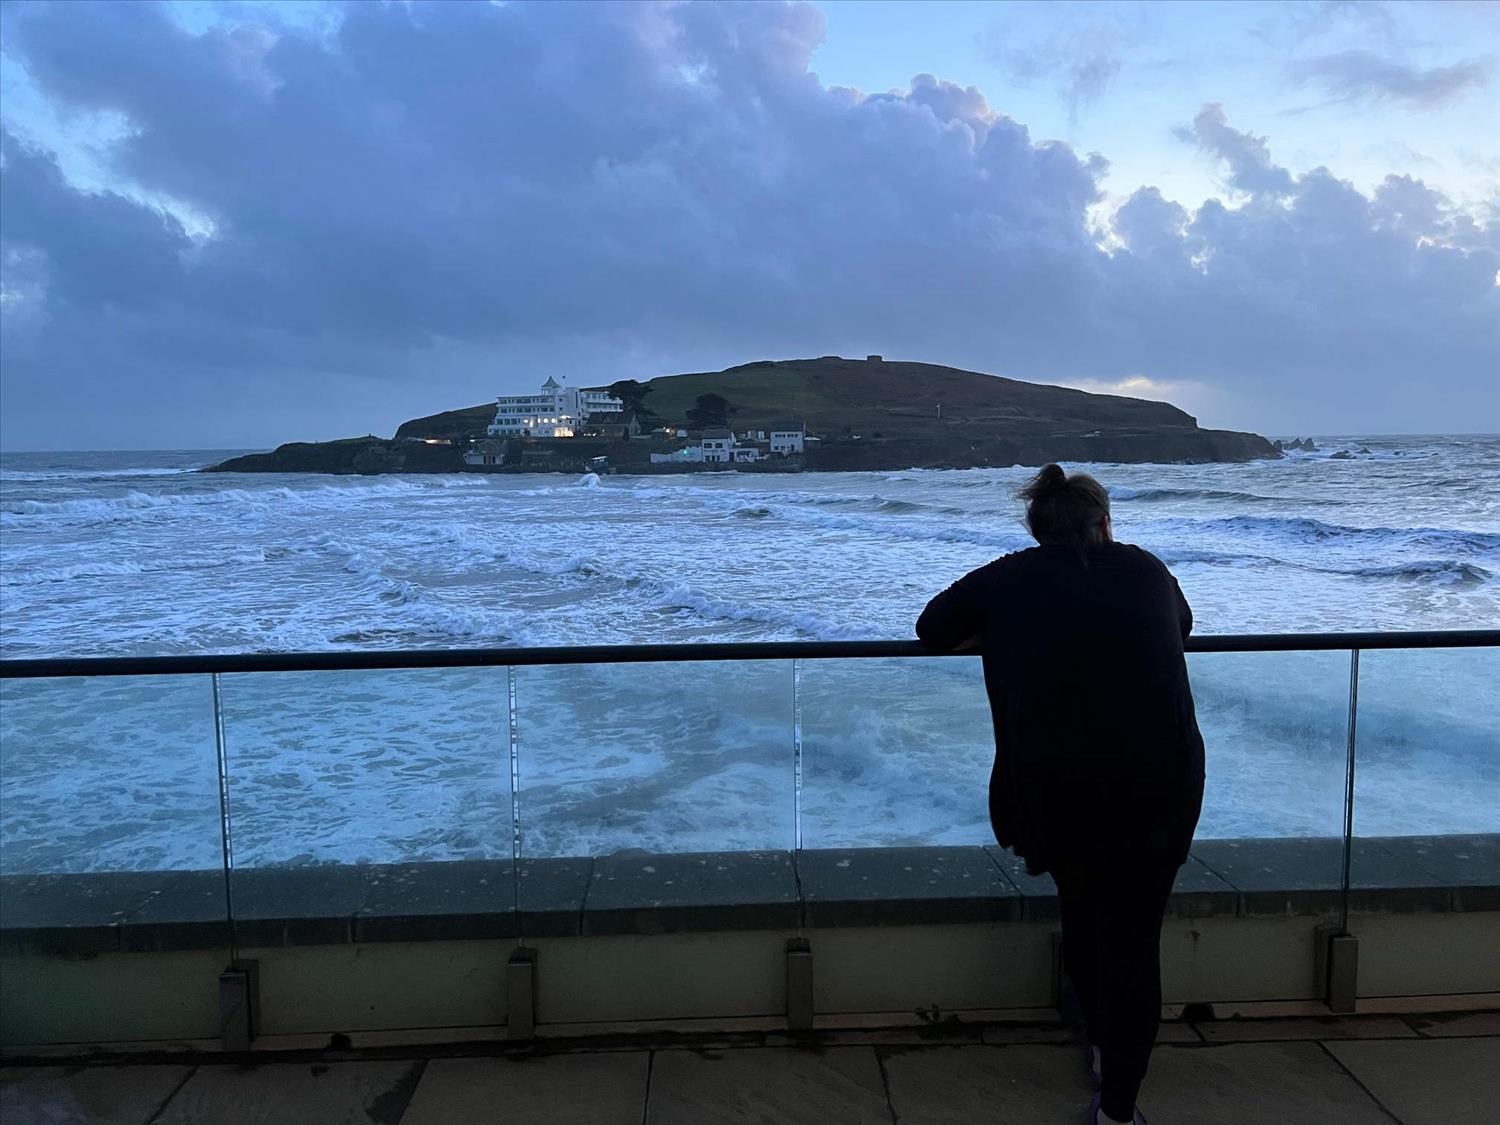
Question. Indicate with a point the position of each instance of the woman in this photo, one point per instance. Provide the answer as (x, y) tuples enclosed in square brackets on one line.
[(1098, 774)]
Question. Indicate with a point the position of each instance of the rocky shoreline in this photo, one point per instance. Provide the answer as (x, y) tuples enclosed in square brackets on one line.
[(378, 455)]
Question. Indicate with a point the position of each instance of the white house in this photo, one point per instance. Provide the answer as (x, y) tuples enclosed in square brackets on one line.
[(724, 447), (788, 438), (718, 445), (555, 411)]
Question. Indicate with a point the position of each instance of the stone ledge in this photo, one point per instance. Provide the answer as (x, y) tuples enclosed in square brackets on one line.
[(656, 894), (86, 914), (904, 886), (1302, 876), (1197, 892)]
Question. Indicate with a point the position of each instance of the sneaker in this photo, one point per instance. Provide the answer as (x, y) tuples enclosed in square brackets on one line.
[(1091, 1063), (1093, 1117)]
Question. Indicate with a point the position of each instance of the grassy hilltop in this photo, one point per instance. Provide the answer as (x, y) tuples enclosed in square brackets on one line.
[(894, 397)]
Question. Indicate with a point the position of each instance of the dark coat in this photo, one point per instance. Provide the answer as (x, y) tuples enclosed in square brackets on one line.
[(1096, 742)]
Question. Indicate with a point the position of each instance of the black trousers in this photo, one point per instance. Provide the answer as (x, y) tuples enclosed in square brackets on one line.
[(1111, 922)]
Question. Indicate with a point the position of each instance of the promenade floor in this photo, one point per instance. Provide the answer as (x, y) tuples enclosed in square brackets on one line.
[(1416, 1070)]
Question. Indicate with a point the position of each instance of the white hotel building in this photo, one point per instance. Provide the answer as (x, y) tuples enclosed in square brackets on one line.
[(555, 411)]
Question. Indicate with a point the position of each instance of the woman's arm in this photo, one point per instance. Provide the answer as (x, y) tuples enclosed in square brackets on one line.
[(954, 620), (1184, 611)]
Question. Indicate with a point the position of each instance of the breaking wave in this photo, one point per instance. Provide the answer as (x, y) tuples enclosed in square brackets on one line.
[(1437, 571), (104, 568), (1299, 529), (414, 608), (135, 504), (1158, 494)]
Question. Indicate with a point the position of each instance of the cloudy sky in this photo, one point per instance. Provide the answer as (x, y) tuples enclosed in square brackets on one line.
[(233, 224)]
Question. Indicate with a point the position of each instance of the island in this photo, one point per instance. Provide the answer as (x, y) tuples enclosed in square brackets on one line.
[(827, 414)]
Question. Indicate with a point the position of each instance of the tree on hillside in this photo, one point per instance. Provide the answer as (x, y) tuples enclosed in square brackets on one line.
[(633, 394), (711, 412)]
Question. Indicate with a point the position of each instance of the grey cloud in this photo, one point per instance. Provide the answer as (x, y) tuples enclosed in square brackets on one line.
[(1364, 76), (1090, 77), (439, 202), (1152, 226), (1081, 63), (1247, 156), (1291, 25)]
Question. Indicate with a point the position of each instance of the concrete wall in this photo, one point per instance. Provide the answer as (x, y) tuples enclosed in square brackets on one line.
[(420, 951)]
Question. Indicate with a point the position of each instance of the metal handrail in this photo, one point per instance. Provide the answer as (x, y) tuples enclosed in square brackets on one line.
[(371, 659)]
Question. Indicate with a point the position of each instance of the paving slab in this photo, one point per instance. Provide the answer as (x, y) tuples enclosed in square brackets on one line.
[(1309, 1027), (1003, 1035), (1173, 1031), (1457, 1023), (341, 1093), (583, 1089), (1428, 1081), (552, 895), (903, 886), (691, 891), (1000, 1035), (917, 1035), (1030, 1085), (86, 1095), (760, 1086), (453, 901), (1254, 1084)]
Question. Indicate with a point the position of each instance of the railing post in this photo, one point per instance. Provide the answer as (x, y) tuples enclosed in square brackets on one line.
[(239, 1003), (1349, 788), (239, 982), (226, 852), (799, 956), (799, 984), (513, 760), (520, 969), (1337, 958), (520, 994), (796, 755)]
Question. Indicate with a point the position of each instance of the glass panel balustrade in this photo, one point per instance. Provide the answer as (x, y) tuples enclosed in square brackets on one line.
[(372, 805), (379, 805), (1275, 732), (1427, 800), (110, 842), (664, 783), (896, 752)]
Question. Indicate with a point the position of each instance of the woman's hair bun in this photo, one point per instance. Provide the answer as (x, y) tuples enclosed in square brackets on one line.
[(1051, 478)]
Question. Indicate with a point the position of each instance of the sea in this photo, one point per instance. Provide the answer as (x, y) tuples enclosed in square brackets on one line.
[(140, 553)]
